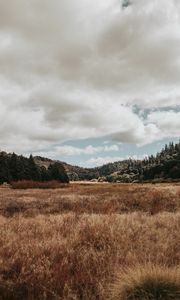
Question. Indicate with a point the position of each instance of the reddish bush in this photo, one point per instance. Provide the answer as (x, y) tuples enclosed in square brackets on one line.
[(30, 184)]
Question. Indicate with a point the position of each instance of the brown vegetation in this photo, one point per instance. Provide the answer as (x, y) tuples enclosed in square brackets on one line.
[(147, 282), (91, 198), (31, 184), (70, 243)]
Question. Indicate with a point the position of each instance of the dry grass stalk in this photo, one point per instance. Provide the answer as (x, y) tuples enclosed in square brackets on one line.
[(68, 243), (147, 282)]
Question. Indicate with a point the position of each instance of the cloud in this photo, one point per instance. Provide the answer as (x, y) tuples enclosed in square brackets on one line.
[(75, 69), (168, 122), (88, 150), (103, 160), (67, 150), (99, 161)]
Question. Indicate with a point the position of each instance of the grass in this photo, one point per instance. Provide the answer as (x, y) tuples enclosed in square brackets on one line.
[(91, 198), (147, 282), (70, 243), (30, 184)]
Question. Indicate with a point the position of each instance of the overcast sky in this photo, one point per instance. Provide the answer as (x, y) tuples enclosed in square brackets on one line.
[(88, 81)]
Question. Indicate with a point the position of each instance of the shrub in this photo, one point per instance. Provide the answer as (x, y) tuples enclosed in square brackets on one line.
[(30, 184), (147, 283)]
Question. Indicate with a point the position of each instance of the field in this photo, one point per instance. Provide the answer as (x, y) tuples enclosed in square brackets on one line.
[(71, 243)]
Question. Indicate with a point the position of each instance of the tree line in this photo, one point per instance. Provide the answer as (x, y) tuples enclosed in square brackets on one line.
[(163, 165), (15, 168)]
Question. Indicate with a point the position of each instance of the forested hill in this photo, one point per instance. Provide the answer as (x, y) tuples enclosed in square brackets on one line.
[(165, 165), (14, 168)]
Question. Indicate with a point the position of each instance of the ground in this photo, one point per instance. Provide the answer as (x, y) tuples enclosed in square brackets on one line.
[(70, 243)]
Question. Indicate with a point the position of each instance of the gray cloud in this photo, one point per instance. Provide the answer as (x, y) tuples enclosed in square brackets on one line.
[(74, 69)]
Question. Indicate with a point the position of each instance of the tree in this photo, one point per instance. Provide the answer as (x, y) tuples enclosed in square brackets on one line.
[(16, 167), (33, 169), (57, 172), (45, 176), (5, 175), (13, 166)]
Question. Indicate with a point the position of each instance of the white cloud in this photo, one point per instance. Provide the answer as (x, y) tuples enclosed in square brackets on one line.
[(168, 122), (67, 150), (99, 161), (74, 69)]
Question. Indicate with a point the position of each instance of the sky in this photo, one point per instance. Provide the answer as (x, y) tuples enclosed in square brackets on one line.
[(89, 81)]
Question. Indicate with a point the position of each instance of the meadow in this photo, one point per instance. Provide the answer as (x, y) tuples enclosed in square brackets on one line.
[(85, 241)]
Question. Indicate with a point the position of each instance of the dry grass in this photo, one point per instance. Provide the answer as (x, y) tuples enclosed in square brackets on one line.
[(30, 184), (91, 198), (147, 282), (70, 243)]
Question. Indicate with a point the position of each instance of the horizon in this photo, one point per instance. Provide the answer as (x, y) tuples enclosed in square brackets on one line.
[(89, 82), (135, 158)]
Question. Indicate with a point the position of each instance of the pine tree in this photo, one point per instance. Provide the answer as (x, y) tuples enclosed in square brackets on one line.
[(13, 166), (33, 169), (5, 175), (57, 172)]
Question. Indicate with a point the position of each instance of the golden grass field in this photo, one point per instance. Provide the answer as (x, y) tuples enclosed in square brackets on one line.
[(76, 242)]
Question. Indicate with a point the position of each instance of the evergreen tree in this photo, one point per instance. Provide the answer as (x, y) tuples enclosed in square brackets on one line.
[(45, 176), (57, 172), (13, 166), (5, 175), (33, 169)]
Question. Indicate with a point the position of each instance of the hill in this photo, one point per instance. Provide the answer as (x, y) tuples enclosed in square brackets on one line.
[(74, 173), (164, 166), (15, 168)]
